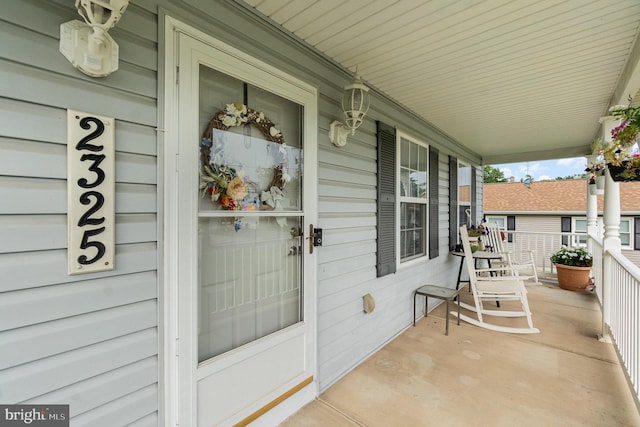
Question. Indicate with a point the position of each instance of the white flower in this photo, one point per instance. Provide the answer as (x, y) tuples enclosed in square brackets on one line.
[(229, 121), (617, 107), (274, 132)]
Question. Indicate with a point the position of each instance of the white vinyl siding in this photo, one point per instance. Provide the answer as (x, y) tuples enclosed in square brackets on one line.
[(90, 341), (101, 329)]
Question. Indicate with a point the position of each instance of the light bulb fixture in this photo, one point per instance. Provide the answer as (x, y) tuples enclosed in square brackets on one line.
[(355, 104), (88, 46), (527, 181)]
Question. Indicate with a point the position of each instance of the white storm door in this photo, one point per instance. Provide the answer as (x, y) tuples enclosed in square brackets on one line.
[(245, 276)]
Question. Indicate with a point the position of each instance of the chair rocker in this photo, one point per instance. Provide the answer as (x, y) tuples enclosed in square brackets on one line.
[(494, 288), (493, 239)]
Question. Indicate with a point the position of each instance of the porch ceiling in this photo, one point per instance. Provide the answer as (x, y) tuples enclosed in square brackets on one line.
[(511, 80)]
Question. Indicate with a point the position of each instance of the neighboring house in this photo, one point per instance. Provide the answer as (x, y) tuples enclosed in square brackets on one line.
[(214, 318), (560, 206)]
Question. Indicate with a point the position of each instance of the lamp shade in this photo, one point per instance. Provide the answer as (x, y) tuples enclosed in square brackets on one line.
[(355, 103), (102, 14)]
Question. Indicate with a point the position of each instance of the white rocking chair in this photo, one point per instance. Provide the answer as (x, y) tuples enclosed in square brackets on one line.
[(494, 288), (493, 239)]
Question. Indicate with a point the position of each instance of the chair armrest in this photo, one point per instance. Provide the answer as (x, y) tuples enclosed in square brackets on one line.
[(495, 269)]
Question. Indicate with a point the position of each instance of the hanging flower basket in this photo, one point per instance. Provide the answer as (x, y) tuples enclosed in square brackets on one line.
[(622, 154), (600, 182), (625, 172)]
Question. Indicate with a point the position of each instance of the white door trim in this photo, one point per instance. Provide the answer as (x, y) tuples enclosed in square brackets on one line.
[(179, 395)]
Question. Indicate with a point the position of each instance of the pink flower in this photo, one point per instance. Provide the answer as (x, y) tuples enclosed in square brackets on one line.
[(237, 189)]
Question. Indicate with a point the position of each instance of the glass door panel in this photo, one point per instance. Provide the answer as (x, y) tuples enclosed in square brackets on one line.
[(249, 214)]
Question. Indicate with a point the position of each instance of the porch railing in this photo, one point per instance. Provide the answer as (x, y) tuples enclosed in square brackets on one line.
[(543, 245), (595, 247), (623, 318), (617, 288)]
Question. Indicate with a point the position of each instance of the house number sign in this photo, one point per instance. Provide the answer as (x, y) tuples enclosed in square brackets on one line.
[(91, 192)]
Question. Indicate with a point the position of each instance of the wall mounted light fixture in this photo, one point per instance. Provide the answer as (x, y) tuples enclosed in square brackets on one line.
[(355, 104), (88, 46)]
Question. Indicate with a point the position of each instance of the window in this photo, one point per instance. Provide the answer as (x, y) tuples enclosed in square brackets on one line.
[(412, 203), (579, 226), (465, 214), (500, 220), (626, 233)]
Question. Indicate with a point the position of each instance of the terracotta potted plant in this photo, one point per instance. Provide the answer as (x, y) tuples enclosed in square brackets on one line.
[(574, 267)]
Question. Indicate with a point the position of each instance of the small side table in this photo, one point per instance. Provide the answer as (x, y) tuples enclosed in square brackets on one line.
[(439, 292)]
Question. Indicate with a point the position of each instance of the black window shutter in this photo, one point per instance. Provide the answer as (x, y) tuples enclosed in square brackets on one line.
[(386, 214), (474, 202), (636, 232), (453, 202), (565, 224), (433, 203), (511, 225)]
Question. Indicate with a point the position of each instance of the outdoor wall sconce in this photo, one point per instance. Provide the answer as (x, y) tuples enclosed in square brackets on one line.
[(88, 46), (355, 104)]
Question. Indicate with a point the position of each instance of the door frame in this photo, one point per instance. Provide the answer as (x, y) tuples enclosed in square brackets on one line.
[(178, 396)]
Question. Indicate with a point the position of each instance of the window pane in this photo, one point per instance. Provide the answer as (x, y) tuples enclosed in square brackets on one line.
[(249, 281), (625, 235), (249, 261), (499, 221), (413, 157), (424, 158), (404, 152), (405, 182), (581, 225), (625, 239), (419, 185), (412, 232), (464, 185), (624, 227)]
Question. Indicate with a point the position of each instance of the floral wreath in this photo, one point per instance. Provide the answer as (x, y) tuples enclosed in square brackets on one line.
[(223, 183)]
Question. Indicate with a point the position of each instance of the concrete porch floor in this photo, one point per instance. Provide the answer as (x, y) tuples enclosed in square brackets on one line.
[(562, 376)]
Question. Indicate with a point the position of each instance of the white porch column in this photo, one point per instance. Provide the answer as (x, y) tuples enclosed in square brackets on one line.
[(611, 243), (592, 208)]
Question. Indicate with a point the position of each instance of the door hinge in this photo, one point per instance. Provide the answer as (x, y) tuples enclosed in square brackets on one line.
[(177, 346)]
